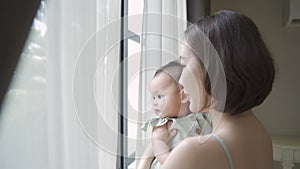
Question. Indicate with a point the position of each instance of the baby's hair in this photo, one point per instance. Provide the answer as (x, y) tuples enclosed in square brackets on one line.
[(173, 69)]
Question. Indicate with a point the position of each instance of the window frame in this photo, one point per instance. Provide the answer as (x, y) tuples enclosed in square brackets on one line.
[(123, 158)]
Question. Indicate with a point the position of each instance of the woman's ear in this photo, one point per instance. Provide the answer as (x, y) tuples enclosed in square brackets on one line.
[(183, 97)]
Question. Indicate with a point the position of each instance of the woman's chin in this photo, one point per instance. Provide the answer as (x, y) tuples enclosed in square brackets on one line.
[(193, 108)]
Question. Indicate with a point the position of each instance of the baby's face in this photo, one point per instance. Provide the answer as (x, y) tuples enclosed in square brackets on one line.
[(166, 96)]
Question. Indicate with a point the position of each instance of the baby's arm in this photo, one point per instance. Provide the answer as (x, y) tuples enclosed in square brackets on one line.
[(147, 159), (160, 138)]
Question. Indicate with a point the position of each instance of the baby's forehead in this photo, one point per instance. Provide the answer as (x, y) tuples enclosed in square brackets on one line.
[(164, 77), (163, 80)]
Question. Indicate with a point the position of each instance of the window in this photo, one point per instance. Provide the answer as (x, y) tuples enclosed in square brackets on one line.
[(152, 33), (132, 11), (62, 108)]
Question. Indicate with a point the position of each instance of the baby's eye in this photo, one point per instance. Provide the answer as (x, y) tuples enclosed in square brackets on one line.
[(160, 96)]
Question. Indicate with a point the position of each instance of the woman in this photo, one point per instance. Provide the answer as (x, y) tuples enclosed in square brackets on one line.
[(227, 81)]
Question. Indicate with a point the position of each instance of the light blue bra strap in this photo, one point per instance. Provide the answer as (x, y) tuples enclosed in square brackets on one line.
[(226, 149)]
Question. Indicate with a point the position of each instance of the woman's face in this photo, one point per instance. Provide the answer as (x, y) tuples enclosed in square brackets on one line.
[(190, 79)]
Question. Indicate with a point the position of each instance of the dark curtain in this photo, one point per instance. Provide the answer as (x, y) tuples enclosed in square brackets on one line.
[(16, 17)]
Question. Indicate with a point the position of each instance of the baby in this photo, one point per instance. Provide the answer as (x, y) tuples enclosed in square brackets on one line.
[(172, 108)]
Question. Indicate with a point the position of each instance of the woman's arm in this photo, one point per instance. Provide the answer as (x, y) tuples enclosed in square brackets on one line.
[(191, 153), (180, 157), (147, 158)]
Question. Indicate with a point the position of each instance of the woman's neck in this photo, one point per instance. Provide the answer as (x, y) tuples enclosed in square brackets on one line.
[(221, 119), (184, 112)]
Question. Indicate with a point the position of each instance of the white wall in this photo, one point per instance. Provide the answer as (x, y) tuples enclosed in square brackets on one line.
[(280, 113)]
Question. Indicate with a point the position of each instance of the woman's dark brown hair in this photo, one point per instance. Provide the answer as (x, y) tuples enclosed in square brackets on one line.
[(247, 62)]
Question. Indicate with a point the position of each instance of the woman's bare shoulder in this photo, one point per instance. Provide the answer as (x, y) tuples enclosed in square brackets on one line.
[(193, 152)]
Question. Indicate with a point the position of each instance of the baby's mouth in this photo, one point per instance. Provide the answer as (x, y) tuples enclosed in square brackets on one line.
[(161, 115), (158, 113)]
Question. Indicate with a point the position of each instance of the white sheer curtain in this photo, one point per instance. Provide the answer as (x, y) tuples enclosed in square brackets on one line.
[(60, 111), (83, 59), (163, 25)]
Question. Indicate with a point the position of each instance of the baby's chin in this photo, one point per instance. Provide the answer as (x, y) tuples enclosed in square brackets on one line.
[(161, 114)]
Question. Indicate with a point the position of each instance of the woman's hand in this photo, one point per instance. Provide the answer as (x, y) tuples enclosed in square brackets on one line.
[(160, 137)]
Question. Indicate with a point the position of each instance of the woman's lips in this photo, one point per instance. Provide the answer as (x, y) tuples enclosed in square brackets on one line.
[(187, 96)]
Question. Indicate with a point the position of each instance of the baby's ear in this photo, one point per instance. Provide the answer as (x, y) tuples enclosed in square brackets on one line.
[(183, 97)]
